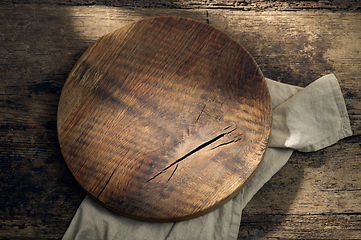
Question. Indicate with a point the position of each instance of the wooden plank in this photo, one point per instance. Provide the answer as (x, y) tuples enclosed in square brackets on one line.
[(314, 193), (240, 5), (311, 186), (309, 226), (41, 43)]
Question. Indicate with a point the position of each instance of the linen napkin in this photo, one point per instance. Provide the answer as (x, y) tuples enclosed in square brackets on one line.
[(304, 119)]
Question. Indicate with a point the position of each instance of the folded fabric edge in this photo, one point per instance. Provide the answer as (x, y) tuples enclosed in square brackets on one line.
[(345, 126), (281, 92)]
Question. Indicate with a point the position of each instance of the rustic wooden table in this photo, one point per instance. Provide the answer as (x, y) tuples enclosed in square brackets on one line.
[(316, 195)]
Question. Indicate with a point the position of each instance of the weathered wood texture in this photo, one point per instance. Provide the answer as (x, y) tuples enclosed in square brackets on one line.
[(316, 195), (164, 119), (240, 5)]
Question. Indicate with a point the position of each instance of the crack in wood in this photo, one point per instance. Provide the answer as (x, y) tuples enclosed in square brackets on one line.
[(239, 137), (192, 152), (173, 172), (227, 128), (201, 112), (105, 185)]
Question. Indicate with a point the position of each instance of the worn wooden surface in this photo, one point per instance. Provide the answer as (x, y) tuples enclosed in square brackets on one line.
[(164, 119), (316, 195), (239, 5)]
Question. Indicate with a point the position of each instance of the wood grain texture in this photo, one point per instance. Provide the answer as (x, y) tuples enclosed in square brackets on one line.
[(314, 196), (164, 119), (240, 5), (41, 43)]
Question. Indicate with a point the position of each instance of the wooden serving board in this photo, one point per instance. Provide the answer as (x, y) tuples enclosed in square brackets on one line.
[(164, 119)]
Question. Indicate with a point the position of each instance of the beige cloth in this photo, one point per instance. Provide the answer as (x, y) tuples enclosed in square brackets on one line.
[(304, 119)]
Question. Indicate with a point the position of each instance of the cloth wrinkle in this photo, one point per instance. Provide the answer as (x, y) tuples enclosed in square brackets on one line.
[(170, 230)]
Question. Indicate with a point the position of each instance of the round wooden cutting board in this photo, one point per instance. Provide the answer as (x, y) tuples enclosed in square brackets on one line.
[(164, 119)]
